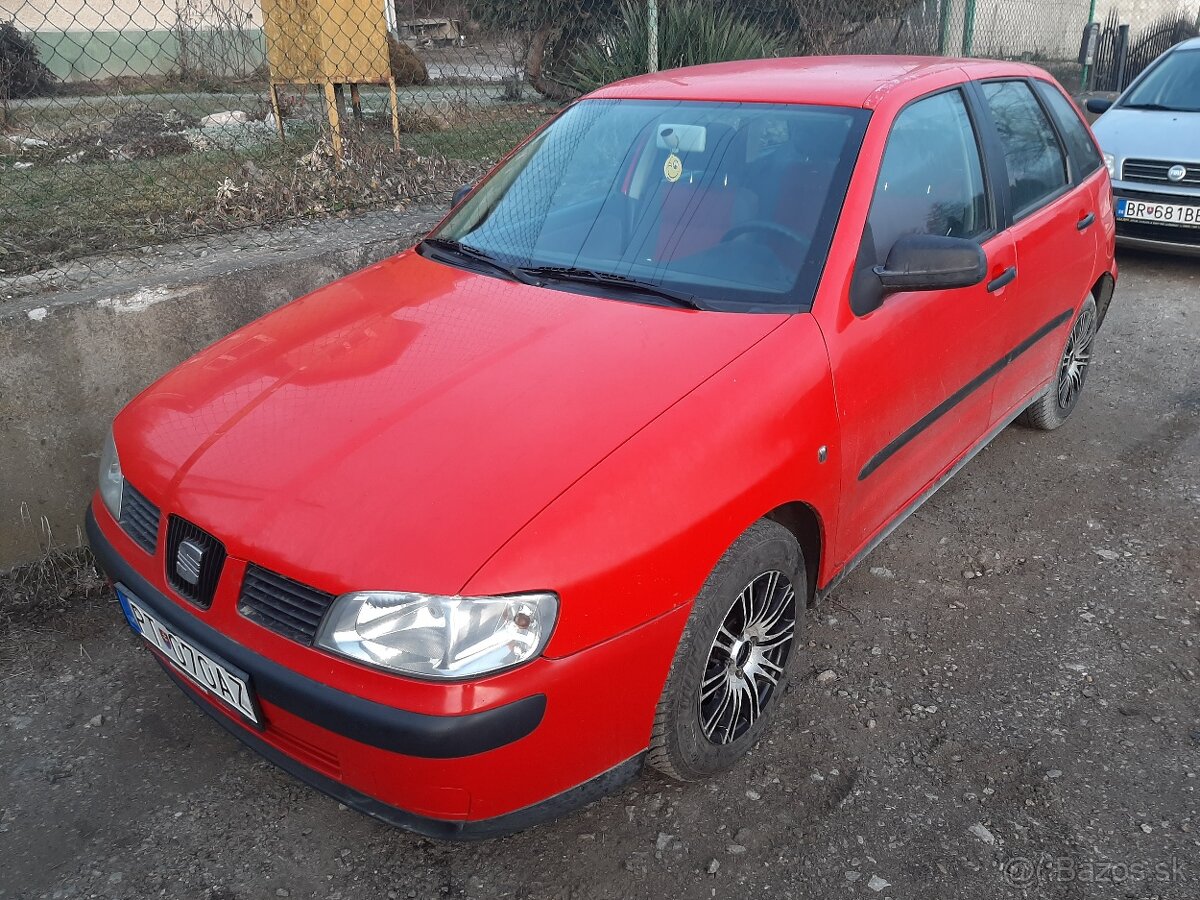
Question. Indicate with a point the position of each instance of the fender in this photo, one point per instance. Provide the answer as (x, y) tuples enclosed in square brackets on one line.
[(761, 450)]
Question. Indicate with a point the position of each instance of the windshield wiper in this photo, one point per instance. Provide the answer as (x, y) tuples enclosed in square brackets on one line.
[(1162, 107), (462, 251), (618, 282)]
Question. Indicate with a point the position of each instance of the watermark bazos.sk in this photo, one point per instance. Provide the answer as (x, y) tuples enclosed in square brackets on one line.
[(1022, 871)]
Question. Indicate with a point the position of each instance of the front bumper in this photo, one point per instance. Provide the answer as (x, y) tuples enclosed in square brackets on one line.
[(445, 776), (1160, 237), (443, 829)]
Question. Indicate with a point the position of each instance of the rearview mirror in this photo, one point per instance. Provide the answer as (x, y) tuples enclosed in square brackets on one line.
[(460, 194), (931, 262), (1098, 105)]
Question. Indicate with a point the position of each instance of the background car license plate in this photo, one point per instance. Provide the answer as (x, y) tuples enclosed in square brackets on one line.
[(1167, 213), (200, 666)]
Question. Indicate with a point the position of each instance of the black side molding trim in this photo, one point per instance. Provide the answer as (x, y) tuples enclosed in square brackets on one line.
[(960, 395), (439, 829), (374, 724)]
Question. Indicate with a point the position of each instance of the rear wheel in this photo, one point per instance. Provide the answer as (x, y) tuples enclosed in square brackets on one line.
[(732, 662), (1053, 407)]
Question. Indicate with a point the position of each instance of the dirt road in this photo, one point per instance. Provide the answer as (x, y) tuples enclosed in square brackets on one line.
[(1015, 711)]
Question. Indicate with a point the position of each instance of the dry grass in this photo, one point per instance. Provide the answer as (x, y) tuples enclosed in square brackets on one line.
[(58, 581)]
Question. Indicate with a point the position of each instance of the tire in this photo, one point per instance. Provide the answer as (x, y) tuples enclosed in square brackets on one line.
[(742, 633), (1053, 407)]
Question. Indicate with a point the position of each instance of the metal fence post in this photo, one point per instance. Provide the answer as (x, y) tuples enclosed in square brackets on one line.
[(1122, 55), (968, 28), (944, 27), (651, 35), (1083, 78)]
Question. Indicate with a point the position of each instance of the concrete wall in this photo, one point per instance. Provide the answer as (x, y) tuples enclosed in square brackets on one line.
[(96, 55), (68, 365), (117, 15), (1046, 29), (81, 40)]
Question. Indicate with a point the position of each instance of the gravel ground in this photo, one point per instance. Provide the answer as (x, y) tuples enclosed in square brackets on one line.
[(1001, 703)]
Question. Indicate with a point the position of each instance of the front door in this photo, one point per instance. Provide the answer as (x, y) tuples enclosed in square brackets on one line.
[(910, 372)]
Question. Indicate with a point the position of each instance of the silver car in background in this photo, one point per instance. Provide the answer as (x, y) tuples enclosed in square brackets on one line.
[(1150, 137)]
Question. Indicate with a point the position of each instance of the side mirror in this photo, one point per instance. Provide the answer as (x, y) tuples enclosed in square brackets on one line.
[(930, 262), (1097, 105), (461, 194)]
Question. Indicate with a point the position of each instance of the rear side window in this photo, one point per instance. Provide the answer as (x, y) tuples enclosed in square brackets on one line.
[(931, 179), (1085, 158), (1035, 161)]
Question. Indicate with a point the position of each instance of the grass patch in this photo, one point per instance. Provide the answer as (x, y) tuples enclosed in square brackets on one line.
[(486, 138)]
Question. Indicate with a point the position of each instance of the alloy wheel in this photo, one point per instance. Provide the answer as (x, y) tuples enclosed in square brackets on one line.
[(747, 657), (1078, 355)]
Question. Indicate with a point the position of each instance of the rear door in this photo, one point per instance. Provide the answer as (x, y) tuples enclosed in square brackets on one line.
[(1055, 223), (1087, 170), (909, 368)]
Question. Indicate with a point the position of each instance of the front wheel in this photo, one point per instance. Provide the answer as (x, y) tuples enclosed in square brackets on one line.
[(1053, 407), (732, 662)]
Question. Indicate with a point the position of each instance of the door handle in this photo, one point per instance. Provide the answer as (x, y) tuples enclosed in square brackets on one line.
[(1002, 279), (1085, 222)]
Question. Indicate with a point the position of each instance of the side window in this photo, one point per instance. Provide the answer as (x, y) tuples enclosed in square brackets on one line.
[(931, 179), (1036, 165), (1085, 158)]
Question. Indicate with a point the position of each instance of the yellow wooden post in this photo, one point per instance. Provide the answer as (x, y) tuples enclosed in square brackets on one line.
[(395, 113), (277, 110), (335, 123)]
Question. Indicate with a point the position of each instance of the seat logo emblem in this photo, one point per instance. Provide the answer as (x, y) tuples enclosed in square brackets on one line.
[(1176, 173), (188, 558)]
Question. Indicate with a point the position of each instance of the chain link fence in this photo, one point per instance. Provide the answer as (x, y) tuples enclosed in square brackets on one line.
[(126, 124)]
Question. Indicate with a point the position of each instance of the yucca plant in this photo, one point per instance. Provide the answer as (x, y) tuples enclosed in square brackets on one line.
[(690, 32)]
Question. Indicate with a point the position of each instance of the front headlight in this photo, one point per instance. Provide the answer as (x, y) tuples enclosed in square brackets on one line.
[(438, 637), (1110, 163), (111, 480)]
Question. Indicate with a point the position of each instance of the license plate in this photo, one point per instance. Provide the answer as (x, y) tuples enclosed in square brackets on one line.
[(215, 677), (1167, 213)]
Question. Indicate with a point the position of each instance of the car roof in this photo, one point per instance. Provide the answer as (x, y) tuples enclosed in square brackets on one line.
[(1189, 44), (830, 80)]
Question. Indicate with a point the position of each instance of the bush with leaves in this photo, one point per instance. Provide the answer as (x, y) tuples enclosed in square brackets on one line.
[(22, 74), (551, 34), (690, 32), (407, 67)]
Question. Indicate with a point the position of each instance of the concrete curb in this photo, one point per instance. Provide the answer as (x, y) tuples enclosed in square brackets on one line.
[(69, 361)]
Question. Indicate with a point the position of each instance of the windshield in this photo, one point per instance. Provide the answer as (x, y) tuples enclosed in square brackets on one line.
[(1172, 84), (733, 204)]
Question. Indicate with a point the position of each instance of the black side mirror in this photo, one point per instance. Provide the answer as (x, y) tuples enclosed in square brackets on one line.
[(1097, 105), (461, 194), (931, 262)]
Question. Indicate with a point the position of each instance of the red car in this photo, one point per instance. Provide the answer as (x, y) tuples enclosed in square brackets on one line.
[(467, 538)]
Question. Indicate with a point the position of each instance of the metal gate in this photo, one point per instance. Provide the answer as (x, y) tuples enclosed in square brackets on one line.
[(1122, 53)]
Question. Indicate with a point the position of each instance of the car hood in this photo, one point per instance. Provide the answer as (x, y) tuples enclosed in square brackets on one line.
[(1149, 134), (394, 429)]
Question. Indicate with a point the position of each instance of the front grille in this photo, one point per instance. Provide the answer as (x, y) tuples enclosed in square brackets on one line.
[(285, 606), (139, 518), (1155, 171), (208, 571)]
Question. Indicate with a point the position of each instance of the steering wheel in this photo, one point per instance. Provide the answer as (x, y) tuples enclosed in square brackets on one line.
[(765, 226)]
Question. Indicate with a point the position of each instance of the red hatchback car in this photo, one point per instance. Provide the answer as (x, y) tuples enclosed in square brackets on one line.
[(467, 538)]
